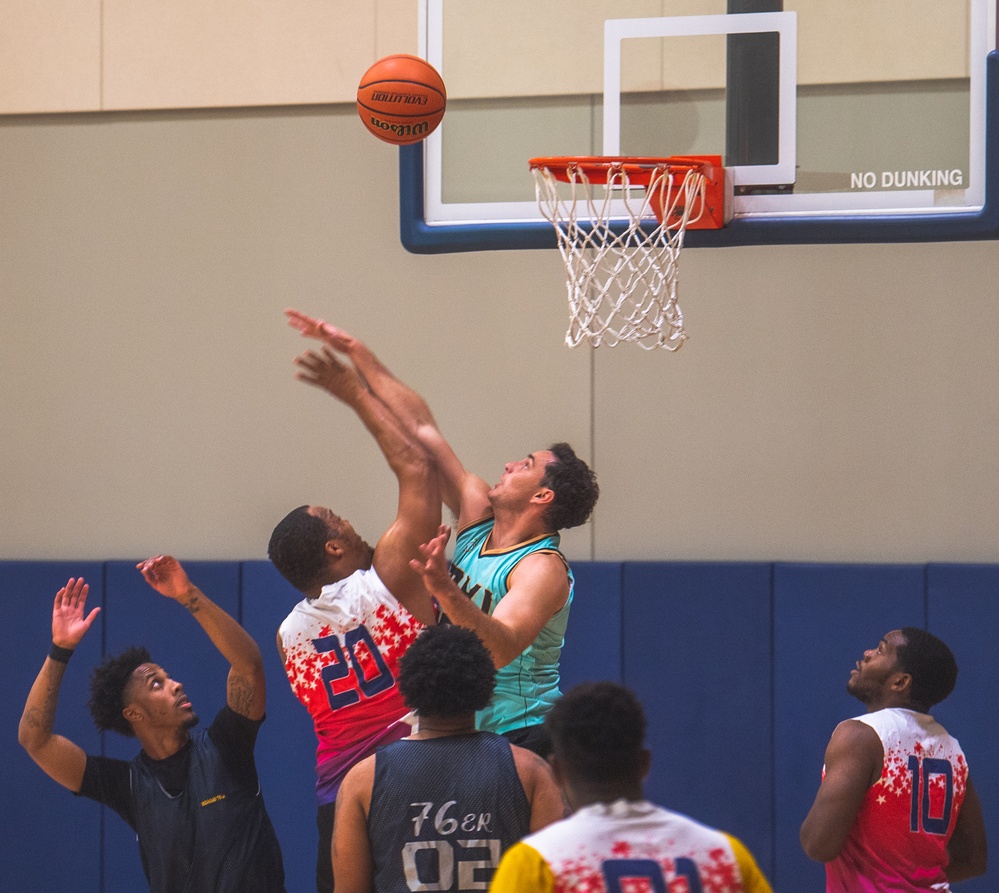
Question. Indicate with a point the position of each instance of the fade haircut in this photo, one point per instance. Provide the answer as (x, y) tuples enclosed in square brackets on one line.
[(598, 732), (297, 548), (447, 671), (931, 665), (575, 488), (107, 690)]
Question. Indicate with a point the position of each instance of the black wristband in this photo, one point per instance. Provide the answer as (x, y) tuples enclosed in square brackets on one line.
[(60, 654)]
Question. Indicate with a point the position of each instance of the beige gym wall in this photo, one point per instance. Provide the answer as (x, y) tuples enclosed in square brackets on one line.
[(833, 403), (112, 55), (109, 55)]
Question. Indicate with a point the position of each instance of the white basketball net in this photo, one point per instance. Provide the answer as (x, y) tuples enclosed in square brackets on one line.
[(622, 286)]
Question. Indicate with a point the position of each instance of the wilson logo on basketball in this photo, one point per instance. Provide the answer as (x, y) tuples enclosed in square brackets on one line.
[(421, 128), (404, 98)]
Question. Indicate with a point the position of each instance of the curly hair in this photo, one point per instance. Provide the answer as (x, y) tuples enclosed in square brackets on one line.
[(297, 548), (931, 665), (107, 690), (574, 485), (447, 671), (598, 732)]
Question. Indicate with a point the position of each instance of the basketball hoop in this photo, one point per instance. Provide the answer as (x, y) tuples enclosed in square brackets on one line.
[(622, 276)]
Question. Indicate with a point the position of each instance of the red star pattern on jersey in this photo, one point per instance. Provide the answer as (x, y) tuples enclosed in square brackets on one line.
[(355, 633), (717, 871), (894, 789), (899, 839)]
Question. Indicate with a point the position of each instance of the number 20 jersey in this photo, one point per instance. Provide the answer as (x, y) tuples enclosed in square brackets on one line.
[(899, 841), (342, 653)]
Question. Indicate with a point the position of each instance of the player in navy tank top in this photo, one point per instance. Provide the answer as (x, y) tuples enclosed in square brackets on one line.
[(435, 811)]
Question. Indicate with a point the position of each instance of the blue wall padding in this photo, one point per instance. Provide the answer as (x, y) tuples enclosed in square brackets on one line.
[(825, 616), (963, 609), (286, 745), (138, 615), (697, 653), (50, 836), (593, 637), (741, 668)]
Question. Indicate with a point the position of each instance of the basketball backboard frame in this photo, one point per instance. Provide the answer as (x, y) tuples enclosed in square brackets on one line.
[(429, 225)]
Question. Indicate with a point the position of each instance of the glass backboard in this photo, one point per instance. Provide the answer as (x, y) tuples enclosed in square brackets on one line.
[(840, 122)]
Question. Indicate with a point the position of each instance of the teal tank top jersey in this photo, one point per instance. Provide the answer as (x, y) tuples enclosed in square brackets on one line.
[(527, 687)]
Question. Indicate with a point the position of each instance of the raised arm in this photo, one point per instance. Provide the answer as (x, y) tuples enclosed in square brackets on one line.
[(539, 587), (246, 691), (59, 758), (419, 510), (852, 764), (465, 494)]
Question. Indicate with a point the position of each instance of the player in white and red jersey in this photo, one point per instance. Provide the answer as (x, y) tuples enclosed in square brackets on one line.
[(508, 581), (616, 840), (896, 809), (341, 644)]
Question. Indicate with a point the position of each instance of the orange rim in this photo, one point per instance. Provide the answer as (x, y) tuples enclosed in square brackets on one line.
[(640, 169)]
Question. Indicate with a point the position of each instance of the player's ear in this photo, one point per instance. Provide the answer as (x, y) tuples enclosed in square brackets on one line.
[(544, 496), (333, 548), (901, 683)]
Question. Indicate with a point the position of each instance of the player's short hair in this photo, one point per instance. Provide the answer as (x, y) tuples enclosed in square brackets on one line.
[(447, 671), (297, 548), (574, 485), (598, 732), (107, 690), (931, 665)]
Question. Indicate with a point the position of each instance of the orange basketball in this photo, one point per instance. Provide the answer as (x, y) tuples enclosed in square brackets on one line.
[(401, 99)]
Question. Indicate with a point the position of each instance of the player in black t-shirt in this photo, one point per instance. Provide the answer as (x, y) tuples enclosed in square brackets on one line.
[(192, 797)]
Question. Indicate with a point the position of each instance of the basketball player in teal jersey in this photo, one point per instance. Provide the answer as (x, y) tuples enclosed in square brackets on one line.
[(507, 581)]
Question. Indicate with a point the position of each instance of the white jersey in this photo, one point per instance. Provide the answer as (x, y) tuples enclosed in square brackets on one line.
[(342, 654), (605, 846), (899, 840)]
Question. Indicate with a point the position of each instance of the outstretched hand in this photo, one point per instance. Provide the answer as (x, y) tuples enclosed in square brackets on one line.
[(166, 575), (326, 371), (432, 565), (69, 624), (310, 327)]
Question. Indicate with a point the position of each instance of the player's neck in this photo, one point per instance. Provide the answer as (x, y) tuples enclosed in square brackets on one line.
[(897, 705), (162, 746), (444, 726), (512, 528), (582, 794)]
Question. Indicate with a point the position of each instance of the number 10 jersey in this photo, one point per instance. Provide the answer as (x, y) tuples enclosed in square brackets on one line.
[(899, 841)]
